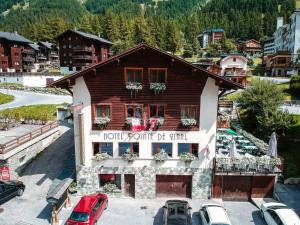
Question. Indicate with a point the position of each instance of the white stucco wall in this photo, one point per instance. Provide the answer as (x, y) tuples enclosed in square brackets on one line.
[(28, 80), (229, 63), (205, 136)]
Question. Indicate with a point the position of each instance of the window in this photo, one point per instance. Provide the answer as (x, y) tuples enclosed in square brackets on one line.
[(65, 54), (157, 75), (206, 215), (16, 54), (190, 148), (110, 178), (103, 110), (17, 63), (70, 46), (64, 46), (134, 75), (106, 147), (70, 38), (157, 147), (234, 59), (157, 111), (134, 111), (132, 147), (189, 112), (70, 54)]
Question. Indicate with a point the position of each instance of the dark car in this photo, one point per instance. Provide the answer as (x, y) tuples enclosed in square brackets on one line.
[(88, 210), (177, 212), (10, 189)]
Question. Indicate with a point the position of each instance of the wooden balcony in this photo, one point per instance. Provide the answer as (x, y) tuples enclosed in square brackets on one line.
[(28, 59), (83, 57), (27, 51), (82, 49)]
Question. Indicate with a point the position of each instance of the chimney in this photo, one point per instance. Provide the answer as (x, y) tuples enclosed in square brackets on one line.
[(16, 32), (279, 22)]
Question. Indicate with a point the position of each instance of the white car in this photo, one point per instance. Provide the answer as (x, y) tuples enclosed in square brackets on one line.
[(213, 214), (278, 214)]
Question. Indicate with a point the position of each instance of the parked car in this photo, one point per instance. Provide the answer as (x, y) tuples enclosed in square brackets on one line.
[(275, 213), (177, 212), (213, 214), (88, 210), (10, 189)]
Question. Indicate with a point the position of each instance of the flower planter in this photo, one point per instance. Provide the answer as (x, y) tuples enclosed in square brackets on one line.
[(129, 156), (157, 87), (102, 121), (160, 157), (134, 87), (187, 158), (102, 156), (188, 122)]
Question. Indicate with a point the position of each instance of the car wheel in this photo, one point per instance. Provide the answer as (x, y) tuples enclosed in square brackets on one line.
[(106, 205), (20, 192)]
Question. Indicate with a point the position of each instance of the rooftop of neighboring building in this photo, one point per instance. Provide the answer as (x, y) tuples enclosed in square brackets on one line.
[(86, 35), (15, 37), (47, 44), (35, 46)]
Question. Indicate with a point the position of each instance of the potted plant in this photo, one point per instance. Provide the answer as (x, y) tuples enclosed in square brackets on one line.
[(129, 155), (109, 187), (157, 87), (187, 157), (188, 122), (159, 121), (134, 87), (102, 156), (160, 156), (274, 162), (102, 121), (73, 187)]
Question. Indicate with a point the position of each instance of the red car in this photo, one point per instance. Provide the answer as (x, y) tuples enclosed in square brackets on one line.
[(88, 210)]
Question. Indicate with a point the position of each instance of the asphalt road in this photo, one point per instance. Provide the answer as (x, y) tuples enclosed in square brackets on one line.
[(31, 98), (56, 161)]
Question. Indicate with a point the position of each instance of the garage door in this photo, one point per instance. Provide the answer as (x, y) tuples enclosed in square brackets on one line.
[(236, 188), (174, 186)]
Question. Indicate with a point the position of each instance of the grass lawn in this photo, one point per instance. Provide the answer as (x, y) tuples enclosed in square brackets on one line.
[(32, 112), (287, 94), (6, 98)]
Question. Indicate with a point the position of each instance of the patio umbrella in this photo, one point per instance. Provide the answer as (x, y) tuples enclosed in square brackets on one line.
[(272, 148), (232, 151), (231, 131)]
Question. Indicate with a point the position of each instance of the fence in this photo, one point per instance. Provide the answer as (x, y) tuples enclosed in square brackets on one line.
[(27, 137)]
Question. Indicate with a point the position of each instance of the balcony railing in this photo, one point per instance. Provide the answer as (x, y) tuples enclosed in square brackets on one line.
[(28, 67), (255, 165), (28, 59), (28, 51), (82, 57), (82, 49)]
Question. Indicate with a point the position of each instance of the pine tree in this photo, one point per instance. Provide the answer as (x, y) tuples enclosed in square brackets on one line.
[(173, 37)]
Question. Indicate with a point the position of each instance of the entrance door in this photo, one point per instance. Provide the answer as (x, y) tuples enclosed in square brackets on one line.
[(171, 185), (129, 185)]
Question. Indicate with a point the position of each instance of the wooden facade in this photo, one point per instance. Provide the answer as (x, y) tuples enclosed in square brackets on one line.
[(183, 88), (15, 55), (250, 47), (80, 50)]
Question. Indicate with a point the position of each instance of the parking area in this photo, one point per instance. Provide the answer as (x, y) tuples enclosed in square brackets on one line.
[(127, 211)]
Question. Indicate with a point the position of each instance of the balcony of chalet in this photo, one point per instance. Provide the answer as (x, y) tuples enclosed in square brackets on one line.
[(28, 51), (82, 49), (83, 57), (28, 59)]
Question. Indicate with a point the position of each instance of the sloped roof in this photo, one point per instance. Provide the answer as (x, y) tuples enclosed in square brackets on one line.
[(65, 81), (35, 46), (47, 44), (14, 37), (89, 36)]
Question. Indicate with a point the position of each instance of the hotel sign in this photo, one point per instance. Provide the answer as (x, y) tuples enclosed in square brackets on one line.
[(147, 136)]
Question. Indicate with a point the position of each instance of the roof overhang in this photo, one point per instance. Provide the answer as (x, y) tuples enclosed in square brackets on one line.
[(68, 81)]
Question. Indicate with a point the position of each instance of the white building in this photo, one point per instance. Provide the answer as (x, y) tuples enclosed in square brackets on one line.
[(180, 121), (29, 79), (287, 36), (269, 46)]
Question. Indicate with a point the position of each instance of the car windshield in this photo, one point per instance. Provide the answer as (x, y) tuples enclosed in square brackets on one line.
[(79, 216)]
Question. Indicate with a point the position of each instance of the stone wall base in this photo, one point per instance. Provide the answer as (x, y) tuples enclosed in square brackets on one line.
[(145, 180)]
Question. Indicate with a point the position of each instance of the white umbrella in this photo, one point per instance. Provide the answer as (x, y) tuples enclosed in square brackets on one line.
[(272, 149), (232, 150)]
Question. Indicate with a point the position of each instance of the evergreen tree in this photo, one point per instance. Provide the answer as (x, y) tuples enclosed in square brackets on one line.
[(173, 37)]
